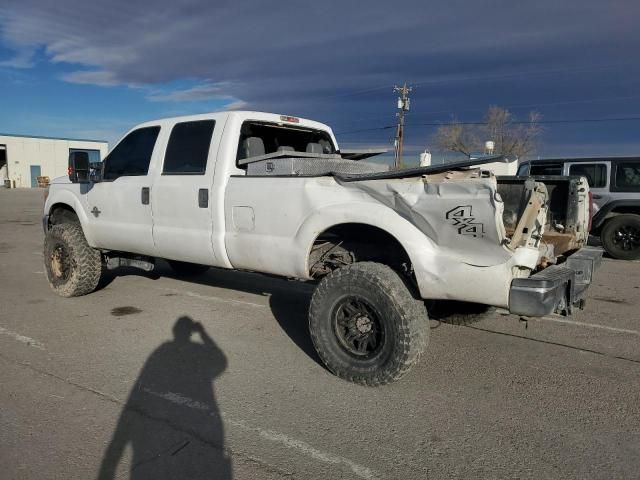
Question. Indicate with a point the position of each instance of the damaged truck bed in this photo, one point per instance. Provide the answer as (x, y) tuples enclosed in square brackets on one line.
[(534, 225)]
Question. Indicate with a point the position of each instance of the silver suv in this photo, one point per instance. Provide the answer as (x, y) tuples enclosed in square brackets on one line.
[(615, 185)]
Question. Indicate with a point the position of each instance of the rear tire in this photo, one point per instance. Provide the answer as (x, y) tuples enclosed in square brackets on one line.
[(366, 325), (73, 268), (620, 237), (186, 269)]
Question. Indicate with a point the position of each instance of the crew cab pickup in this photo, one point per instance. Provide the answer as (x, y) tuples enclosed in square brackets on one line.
[(274, 194)]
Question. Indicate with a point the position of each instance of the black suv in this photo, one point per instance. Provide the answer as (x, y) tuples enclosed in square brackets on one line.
[(615, 185)]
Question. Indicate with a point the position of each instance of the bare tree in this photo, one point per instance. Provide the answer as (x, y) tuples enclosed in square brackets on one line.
[(457, 137), (510, 136)]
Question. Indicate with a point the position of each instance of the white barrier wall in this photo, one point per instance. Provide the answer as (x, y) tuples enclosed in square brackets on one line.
[(50, 154)]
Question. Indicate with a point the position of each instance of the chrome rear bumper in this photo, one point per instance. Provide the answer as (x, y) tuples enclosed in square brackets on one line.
[(556, 289)]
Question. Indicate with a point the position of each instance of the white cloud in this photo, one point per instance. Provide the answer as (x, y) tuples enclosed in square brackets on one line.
[(101, 78), (205, 91), (235, 105), (199, 93)]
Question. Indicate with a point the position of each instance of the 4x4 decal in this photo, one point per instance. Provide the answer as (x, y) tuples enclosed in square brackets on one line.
[(462, 218)]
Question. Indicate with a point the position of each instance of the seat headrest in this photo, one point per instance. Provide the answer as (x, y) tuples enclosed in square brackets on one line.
[(314, 148), (252, 147)]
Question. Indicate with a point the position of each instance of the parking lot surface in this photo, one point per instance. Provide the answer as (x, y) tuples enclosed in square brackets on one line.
[(123, 383)]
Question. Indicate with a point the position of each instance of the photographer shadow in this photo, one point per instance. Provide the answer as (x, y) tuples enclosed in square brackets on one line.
[(171, 420)]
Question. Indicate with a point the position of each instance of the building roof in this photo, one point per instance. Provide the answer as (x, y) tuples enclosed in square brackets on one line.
[(52, 138)]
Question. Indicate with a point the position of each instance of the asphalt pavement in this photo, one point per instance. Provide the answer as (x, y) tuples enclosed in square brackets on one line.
[(155, 377)]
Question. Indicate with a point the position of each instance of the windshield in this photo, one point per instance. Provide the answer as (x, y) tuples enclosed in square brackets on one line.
[(261, 138)]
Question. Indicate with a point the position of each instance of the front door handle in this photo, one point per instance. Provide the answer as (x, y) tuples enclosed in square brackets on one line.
[(144, 197), (203, 197), (597, 197)]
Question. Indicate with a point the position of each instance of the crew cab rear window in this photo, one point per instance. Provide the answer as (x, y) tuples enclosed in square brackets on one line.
[(188, 148), (261, 138), (545, 169), (595, 173), (132, 155), (627, 176)]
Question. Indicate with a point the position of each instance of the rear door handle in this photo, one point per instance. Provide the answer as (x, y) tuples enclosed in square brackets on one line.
[(203, 198), (144, 196)]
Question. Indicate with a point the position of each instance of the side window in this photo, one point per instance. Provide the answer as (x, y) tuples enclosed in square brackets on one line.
[(188, 148), (596, 173), (628, 176), (523, 170), (132, 155), (546, 169)]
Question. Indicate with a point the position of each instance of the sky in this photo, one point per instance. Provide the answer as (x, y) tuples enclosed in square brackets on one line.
[(82, 69)]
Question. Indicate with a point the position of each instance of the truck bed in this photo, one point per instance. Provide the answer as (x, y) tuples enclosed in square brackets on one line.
[(564, 223)]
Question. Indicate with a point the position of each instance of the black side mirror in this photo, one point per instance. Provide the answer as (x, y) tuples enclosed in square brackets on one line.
[(96, 171), (79, 167)]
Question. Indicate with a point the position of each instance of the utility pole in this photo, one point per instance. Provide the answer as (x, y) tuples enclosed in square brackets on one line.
[(403, 106)]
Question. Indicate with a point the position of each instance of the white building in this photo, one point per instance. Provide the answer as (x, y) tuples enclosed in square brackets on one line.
[(23, 158)]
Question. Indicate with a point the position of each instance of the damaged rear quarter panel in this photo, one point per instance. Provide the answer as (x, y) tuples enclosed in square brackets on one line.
[(462, 217), (451, 229)]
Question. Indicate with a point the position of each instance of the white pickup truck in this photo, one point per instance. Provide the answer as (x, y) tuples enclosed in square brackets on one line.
[(274, 194)]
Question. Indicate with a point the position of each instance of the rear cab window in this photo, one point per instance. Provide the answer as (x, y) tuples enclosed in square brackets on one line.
[(595, 173), (262, 138), (188, 148)]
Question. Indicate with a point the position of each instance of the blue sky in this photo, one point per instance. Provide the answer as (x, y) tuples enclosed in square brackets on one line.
[(85, 69)]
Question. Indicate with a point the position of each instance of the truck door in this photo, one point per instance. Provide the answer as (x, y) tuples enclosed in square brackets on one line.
[(597, 175), (182, 200), (118, 207)]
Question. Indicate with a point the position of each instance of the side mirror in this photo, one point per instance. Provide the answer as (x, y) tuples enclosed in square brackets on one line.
[(96, 171), (79, 167)]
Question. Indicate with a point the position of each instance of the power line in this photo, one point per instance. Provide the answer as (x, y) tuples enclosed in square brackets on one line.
[(448, 122), (448, 78), (514, 105)]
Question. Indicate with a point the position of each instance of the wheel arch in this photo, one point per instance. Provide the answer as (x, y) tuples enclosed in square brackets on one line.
[(62, 213), (612, 209), (417, 246), (65, 201), (354, 232)]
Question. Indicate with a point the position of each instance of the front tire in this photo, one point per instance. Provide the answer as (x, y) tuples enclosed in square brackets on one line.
[(73, 268), (621, 237), (366, 325)]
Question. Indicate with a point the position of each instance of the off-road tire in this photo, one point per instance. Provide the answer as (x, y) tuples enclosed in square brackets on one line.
[(459, 313), (72, 267), (630, 225), (402, 319), (186, 269)]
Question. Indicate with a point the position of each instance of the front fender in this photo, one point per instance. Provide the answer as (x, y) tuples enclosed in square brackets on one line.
[(601, 215), (66, 196)]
